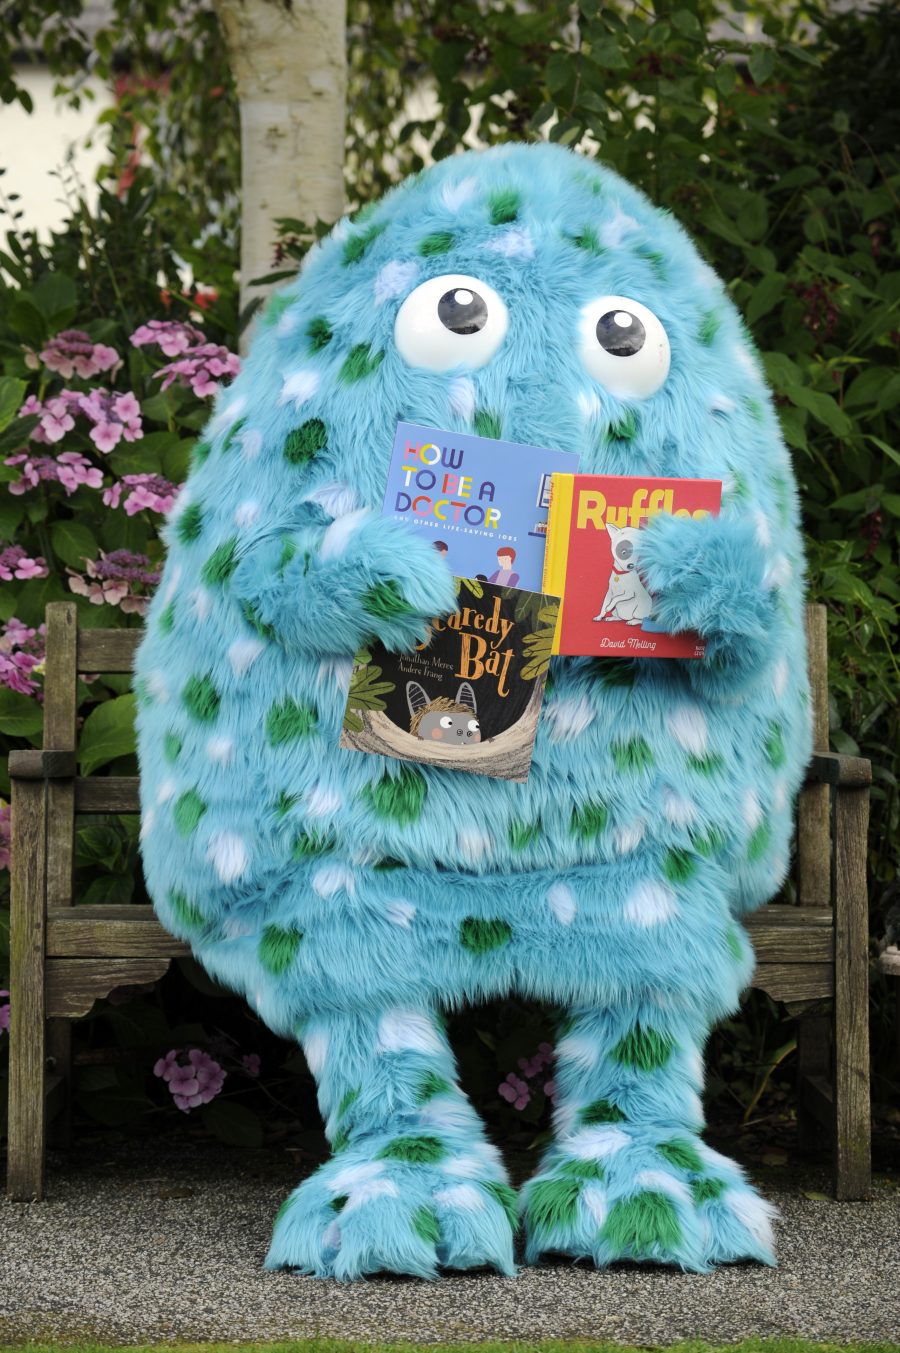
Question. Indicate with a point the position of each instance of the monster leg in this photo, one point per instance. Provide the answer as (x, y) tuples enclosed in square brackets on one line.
[(413, 1183), (628, 1176)]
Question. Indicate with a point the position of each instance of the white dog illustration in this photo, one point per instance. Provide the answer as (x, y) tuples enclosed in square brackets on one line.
[(626, 597)]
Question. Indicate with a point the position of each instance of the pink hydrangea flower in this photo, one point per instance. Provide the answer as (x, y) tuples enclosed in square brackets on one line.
[(515, 1091), (15, 563), (69, 468), (147, 491), (194, 1082), (4, 1005), (74, 353), (532, 1066), (172, 335), (57, 415), (5, 826), (201, 368), (21, 655), (250, 1064), (119, 578), (114, 417)]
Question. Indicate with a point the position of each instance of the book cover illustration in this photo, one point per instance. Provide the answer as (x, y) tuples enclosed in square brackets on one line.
[(468, 699), (590, 562), (482, 501)]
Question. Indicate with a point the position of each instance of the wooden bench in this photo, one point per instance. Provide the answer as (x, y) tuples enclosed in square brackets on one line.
[(812, 956)]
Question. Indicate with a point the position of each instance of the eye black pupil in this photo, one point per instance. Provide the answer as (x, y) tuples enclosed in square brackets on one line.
[(462, 311), (620, 333)]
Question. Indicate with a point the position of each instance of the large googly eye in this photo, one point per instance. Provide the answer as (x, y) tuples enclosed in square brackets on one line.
[(450, 321), (624, 347), (446, 721)]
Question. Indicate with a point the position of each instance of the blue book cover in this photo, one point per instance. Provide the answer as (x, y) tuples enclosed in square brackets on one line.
[(482, 501)]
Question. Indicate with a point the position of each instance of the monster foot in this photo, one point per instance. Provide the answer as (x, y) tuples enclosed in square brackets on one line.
[(646, 1194), (402, 1204)]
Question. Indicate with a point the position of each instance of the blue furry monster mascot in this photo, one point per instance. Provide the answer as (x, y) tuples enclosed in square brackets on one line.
[(527, 293)]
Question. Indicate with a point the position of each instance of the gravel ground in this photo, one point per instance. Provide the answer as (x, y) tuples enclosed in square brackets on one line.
[(155, 1243)]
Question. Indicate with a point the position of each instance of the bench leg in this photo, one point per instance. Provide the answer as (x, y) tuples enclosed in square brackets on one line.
[(853, 1127), (813, 1064)]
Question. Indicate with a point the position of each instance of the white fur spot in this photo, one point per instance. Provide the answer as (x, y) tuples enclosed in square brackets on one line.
[(251, 440), (394, 279), (352, 1176), (596, 1142), (474, 844), (756, 1213), (298, 387), (693, 1060), (612, 234), (407, 1031), (722, 404), (220, 750), (227, 415), (464, 1196), (336, 671), (228, 854), (594, 1198), (589, 404), (707, 278), (761, 528), (400, 912), (235, 928), (156, 686), (658, 1181), (201, 603), (561, 901), (243, 653), (461, 397), (745, 359), (315, 1050), (688, 727), (336, 499), (147, 823), (516, 242), (628, 836), (337, 536), (373, 1188), (332, 879), (172, 582), (331, 1236), (751, 810), (651, 903), (456, 195), (568, 718), (780, 674), (287, 323), (778, 572), (247, 513), (166, 791), (579, 1050), (677, 809), (322, 801), (779, 795)]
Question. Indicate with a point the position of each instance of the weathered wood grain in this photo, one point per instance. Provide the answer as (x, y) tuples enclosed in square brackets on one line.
[(107, 650), (107, 794), (73, 984), (109, 932), (27, 1032), (851, 998), (795, 981)]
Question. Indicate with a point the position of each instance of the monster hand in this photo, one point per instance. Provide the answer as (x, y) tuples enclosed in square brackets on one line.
[(711, 575), (331, 590)]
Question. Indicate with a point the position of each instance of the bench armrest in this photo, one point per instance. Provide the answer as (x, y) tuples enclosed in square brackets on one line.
[(847, 772), (41, 765)]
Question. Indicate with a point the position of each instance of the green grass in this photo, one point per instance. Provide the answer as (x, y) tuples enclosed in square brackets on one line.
[(512, 1346)]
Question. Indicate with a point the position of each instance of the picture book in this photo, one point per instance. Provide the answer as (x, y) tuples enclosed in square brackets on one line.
[(482, 501), (469, 698), (590, 562)]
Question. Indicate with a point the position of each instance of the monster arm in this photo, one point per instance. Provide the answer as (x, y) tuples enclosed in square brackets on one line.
[(325, 589), (713, 576)]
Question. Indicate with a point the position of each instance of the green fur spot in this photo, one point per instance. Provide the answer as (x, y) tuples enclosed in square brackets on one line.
[(388, 862), (221, 563), (710, 843), (339, 1203), (504, 206), (278, 948), (425, 1225), (284, 1208), (233, 434), (253, 619), (288, 721), (347, 1102), (754, 408), (142, 695), (167, 619), (646, 1223), (505, 1196), (480, 936), (398, 798), (303, 443), (276, 308), (440, 242), (759, 842), (284, 803), (633, 755), (187, 812), (288, 550), (739, 489), (682, 1155), (625, 430), (171, 747), (432, 1085), (185, 913), (414, 1150), (589, 820), (524, 834), (552, 1204), (601, 1111), (310, 844), (201, 699), (385, 601), (709, 764), (487, 424), (733, 940), (656, 260), (707, 1190), (356, 246), (588, 240), (679, 865), (775, 745), (710, 325), (189, 523), (360, 362), (319, 333), (643, 1049), (781, 490), (200, 454), (341, 1141), (585, 1170)]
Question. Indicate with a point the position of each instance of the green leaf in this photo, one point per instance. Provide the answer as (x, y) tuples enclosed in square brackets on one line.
[(15, 435), (20, 715), (73, 543), (822, 407), (108, 732), (12, 395), (765, 296), (233, 1123), (54, 295), (761, 63)]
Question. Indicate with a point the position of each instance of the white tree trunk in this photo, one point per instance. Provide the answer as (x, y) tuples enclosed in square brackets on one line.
[(289, 64)]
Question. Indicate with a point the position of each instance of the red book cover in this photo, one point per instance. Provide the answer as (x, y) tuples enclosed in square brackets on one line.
[(592, 530)]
